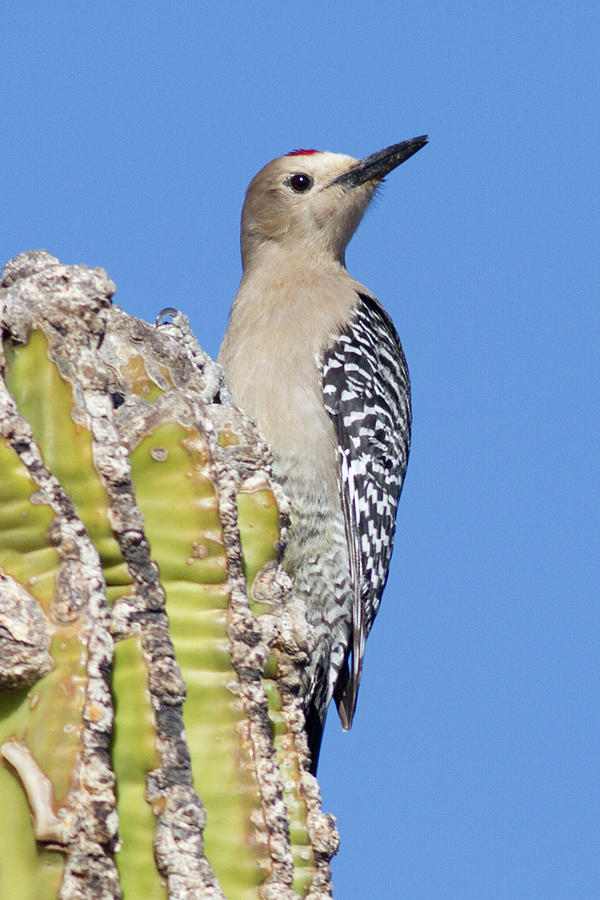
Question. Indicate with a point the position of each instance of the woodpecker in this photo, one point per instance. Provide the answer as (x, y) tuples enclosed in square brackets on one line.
[(315, 359)]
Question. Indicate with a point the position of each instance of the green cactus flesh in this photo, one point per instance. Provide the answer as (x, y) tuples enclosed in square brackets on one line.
[(45, 399), (185, 535), (173, 480), (29, 871), (134, 754), (258, 518)]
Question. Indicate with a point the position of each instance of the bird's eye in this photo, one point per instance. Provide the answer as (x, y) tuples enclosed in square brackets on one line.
[(300, 182)]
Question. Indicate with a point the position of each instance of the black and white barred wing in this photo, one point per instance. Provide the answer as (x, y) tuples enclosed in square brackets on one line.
[(366, 392)]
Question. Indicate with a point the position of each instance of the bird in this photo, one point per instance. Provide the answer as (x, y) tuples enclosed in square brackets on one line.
[(313, 357)]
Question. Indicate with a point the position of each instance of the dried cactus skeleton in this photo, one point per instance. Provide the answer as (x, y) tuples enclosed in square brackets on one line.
[(150, 648)]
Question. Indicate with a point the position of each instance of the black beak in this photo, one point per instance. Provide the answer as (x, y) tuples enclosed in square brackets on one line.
[(377, 165)]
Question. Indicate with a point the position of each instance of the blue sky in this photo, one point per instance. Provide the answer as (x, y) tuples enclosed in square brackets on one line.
[(130, 132)]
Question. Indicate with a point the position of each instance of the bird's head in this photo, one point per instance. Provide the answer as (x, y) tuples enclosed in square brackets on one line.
[(311, 202)]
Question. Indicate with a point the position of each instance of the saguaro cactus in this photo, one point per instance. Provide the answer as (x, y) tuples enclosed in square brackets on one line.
[(151, 731)]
